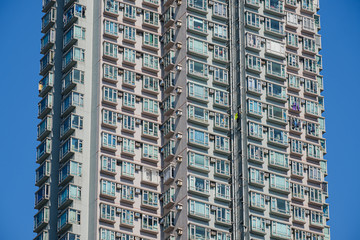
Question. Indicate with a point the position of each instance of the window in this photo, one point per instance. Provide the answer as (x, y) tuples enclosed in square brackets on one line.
[(257, 224), (150, 175), (110, 72), (169, 104), (292, 19), (197, 24), (280, 206), (292, 40), (198, 161), (315, 173), (275, 69), (257, 176), (151, 40), (198, 4), (312, 129), (317, 218), (169, 220), (220, 53), (71, 78), (46, 83), (128, 146), (150, 61), (71, 145), (309, 44), (110, 94), (149, 222), (296, 146), (107, 212), (150, 84), (277, 113), (278, 136), (129, 55), (108, 188), (150, 151), (129, 100), (198, 137), (220, 31), (275, 5), (223, 191), (254, 107), (221, 75), (221, 121), (308, 24), (221, 98), (222, 144), (69, 169), (168, 174), (198, 184), (222, 167), (294, 81), (44, 126), (169, 59), (198, 91), (280, 230), (198, 232), (47, 60), (169, 149), (199, 209), (169, 15), (278, 159), (129, 33), (169, 36), (42, 195), (150, 106), (311, 86), (197, 46), (314, 151), (128, 123), (220, 9), (255, 130), (127, 217), (150, 198), (257, 200), (255, 153), (110, 50), (169, 196), (252, 19), (150, 129), (74, 54), (129, 78), (276, 91), (299, 214), (312, 108), (127, 193), (197, 69), (43, 172), (109, 140), (310, 65), (279, 182), (75, 32), (71, 122), (43, 149), (75, 11), (111, 28), (106, 234), (198, 114), (293, 60), (70, 216), (253, 63), (254, 85), (108, 164), (307, 5), (253, 41), (274, 26), (169, 126), (294, 103), (151, 18), (297, 191), (41, 217), (111, 6), (275, 48), (223, 215), (130, 11), (127, 169)]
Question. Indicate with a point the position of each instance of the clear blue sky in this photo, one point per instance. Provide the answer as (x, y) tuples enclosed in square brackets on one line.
[(19, 67)]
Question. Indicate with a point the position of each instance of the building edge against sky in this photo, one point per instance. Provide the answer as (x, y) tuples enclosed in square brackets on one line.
[(181, 120)]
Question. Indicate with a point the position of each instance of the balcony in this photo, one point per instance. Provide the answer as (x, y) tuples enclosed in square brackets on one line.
[(72, 57), (111, 7), (46, 84), (47, 4), (47, 62), (41, 219), (68, 171), (70, 80), (72, 35), (70, 124), (44, 128), (43, 150), (42, 173), (42, 196), (47, 41), (275, 7), (72, 14), (67, 219), (69, 147), (70, 102), (48, 20), (68, 194)]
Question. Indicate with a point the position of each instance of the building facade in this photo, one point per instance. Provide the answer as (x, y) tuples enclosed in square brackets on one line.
[(180, 119)]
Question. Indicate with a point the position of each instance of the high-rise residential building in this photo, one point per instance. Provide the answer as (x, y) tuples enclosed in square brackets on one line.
[(180, 120)]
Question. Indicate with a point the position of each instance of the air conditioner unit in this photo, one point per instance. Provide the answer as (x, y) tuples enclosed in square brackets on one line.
[(179, 231), (267, 222), (211, 47), (121, 49), (212, 184), (179, 207), (211, 91), (162, 83), (211, 24), (138, 99), (178, 90), (178, 67), (119, 116), (118, 210), (307, 212), (267, 198), (179, 112), (137, 167), (179, 135), (211, 114), (266, 151), (213, 233), (137, 191), (138, 76), (266, 175), (179, 182), (121, 27), (213, 208), (119, 139), (213, 160), (178, 23), (179, 159), (138, 54), (121, 5), (138, 121), (179, 45), (265, 129), (138, 10), (211, 3), (137, 144), (120, 94), (264, 106), (263, 62), (211, 68), (137, 215), (118, 186), (262, 19), (211, 137), (118, 235)]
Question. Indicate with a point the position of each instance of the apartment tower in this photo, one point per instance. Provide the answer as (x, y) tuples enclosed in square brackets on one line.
[(178, 119)]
